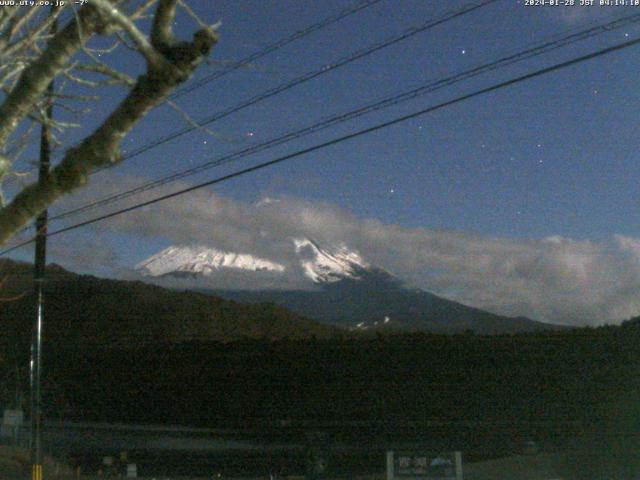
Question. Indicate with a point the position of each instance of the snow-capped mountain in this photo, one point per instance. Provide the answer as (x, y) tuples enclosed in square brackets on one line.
[(320, 265), (324, 266), (351, 293), (202, 260)]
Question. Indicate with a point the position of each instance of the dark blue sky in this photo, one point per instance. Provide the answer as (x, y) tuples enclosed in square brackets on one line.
[(552, 156), (524, 201)]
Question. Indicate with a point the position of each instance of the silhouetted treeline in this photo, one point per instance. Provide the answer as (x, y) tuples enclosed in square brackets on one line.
[(536, 382)]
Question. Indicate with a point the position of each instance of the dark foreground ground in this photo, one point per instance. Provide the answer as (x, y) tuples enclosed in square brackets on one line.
[(538, 467), (14, 466), (574, 391)]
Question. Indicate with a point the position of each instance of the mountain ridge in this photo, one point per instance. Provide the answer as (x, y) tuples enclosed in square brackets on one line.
[(380, 302), (342, 290), (105, 313), (319, 265)]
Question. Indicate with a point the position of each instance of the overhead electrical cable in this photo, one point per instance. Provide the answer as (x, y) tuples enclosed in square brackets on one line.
[(307, 77), (275, 46), (343, 138), (304, 78), (432, 86)]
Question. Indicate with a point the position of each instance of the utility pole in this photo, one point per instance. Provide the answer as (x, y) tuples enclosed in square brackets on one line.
[(38, 280)]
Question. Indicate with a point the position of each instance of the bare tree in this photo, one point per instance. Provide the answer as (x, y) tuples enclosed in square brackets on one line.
[(31, 56)]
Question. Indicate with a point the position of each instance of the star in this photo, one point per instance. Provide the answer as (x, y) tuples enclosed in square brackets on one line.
[(463, 52), (392, 191), (250, 134), (205, 142)]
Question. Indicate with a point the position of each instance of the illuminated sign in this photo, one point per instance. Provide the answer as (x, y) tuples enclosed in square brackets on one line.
[(424, 466)]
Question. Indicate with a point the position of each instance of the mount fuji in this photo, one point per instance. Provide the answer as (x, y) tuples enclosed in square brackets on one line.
[(320, 266), (337, 287)]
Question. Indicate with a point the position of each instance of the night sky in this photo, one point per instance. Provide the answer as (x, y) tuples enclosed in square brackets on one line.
[(523, 201)]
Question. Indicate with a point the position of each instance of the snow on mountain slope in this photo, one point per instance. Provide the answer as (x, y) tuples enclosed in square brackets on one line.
[(318, 264), (326, 267), (376, 300), (202, 260)]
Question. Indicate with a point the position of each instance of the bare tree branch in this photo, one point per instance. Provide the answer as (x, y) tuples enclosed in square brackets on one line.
[(32, 37), (179, 60), (138, 38), (192, 122), (161, 34), (142, 9), (103, 69), (20, 22), (35, 79)]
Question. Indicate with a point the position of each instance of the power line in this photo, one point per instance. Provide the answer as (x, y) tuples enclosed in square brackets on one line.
[(432, 86), (276, 46), (307, 77), (297, 81), (343, 138)]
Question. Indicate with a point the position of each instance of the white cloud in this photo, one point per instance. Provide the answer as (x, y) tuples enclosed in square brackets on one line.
[(553, 279)]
